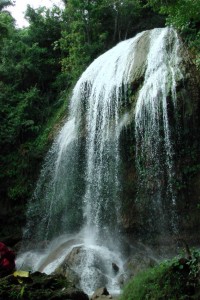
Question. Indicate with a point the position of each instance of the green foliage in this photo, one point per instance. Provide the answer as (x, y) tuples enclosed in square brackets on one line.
[(92, 27), (174, 279), (4, 4), (175, 11), (36, 286), (6, 21), (185, 16), (31, 89)]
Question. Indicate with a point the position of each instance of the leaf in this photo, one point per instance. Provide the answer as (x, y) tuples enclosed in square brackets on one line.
[(181, 267), (20, 273)]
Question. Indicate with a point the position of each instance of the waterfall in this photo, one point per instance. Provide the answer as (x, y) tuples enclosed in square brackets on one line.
[(155, 156), (106, 87), (79, 189), (81, 169)]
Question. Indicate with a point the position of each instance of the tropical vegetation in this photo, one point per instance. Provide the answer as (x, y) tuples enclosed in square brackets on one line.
[(173, 279)]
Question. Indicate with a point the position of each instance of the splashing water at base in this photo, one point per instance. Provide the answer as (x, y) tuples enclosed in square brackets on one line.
[(92, 264)]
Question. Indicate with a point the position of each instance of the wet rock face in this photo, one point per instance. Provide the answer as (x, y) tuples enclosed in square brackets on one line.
[(101, 293), (138, 262), (39, 286), (65, 270), (184, 123), (134, 264), (139, 63)]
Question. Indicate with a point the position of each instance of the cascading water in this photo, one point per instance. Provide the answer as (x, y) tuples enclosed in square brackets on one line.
[(79, 187), (93, 127), (154, 142)]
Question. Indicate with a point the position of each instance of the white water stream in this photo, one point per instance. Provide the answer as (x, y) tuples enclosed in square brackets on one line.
[(154, 143)]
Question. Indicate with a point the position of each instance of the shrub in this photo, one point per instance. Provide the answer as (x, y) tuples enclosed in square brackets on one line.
[(173, 279)]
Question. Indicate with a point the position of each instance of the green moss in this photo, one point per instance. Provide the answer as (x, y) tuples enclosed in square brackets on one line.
[(50, 129), (174, 279), (38, 286)]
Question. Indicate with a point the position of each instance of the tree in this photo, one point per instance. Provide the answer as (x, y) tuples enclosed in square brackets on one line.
[(176, 11), (94, 26), (4, 4), (185, 16), (6, 20), (30, 89)]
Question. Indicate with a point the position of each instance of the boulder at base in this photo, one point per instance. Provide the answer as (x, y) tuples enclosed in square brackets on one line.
[(83, 271), (101, 293)]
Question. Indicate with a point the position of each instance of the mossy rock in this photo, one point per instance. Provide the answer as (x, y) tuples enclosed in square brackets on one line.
[(39, 286), (174, 279)]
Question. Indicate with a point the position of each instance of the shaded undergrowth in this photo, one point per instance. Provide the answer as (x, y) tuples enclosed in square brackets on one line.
[(173, 279)]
